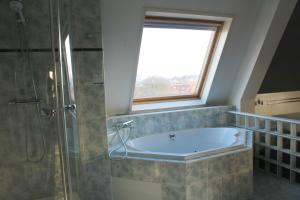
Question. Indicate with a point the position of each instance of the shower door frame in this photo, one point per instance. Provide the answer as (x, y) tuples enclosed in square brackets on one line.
[(56, 40), (54, 11)]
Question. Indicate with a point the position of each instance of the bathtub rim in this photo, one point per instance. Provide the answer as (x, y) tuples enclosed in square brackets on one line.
[(246, 148), (168, 157)]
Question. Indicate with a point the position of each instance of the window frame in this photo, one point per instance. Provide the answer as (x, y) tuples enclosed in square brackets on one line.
[(158, 21)]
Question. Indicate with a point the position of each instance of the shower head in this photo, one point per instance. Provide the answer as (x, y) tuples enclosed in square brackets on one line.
[(17, 6)]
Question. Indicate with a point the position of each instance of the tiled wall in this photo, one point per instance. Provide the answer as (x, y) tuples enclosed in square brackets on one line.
[(153, 123), (19, 177), (37, 28), (95, 164)]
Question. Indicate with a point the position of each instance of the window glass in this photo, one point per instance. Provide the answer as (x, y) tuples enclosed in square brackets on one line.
[(172, 61)]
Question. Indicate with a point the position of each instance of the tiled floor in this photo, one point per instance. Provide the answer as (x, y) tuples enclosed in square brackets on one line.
[(268, 187)]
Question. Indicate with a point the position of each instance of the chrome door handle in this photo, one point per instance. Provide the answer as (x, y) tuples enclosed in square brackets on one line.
[(70, 107)]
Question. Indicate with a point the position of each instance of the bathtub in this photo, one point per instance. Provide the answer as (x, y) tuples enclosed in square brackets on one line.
[(185, 145)]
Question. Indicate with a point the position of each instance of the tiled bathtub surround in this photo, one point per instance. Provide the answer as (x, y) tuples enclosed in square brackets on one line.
[(219, 177), (159, 122), (222, 177)]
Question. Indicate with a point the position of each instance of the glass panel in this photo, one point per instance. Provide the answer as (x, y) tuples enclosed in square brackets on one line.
[(171, 62), (30, 164), (70, 132), (70, 120)]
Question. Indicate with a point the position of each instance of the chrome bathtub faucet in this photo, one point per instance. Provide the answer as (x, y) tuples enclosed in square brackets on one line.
[(172, 136), (121, 125), (117, 128)]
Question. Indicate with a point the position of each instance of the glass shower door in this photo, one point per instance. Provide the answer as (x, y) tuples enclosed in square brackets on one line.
[(70, 140)]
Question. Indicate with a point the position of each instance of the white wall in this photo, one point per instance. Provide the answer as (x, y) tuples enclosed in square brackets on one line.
[(122, 29), (273, 18), (279, 103)]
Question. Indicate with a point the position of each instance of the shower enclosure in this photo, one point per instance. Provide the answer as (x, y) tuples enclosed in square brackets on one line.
[(39, 142)]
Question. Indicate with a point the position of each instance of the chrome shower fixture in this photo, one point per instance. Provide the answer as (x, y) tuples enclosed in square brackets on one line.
[(17, 6)]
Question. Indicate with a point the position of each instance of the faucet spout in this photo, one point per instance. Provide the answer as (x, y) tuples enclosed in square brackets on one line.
[(172, 136)]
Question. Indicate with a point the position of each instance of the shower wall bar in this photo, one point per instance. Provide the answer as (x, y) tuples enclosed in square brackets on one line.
[(276, 143), (47, 50), (24, 101)]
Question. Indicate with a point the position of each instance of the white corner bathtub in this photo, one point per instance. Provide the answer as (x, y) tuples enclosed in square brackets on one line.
[(185, 145)]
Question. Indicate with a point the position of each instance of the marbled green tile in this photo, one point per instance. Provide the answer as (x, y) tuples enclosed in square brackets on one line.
[(173, 191), (214, 188), (230, 187), (175, 120), (89, 66), (173, 172), (197, 170), (96, 184), (87, 31), (197, 190)]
